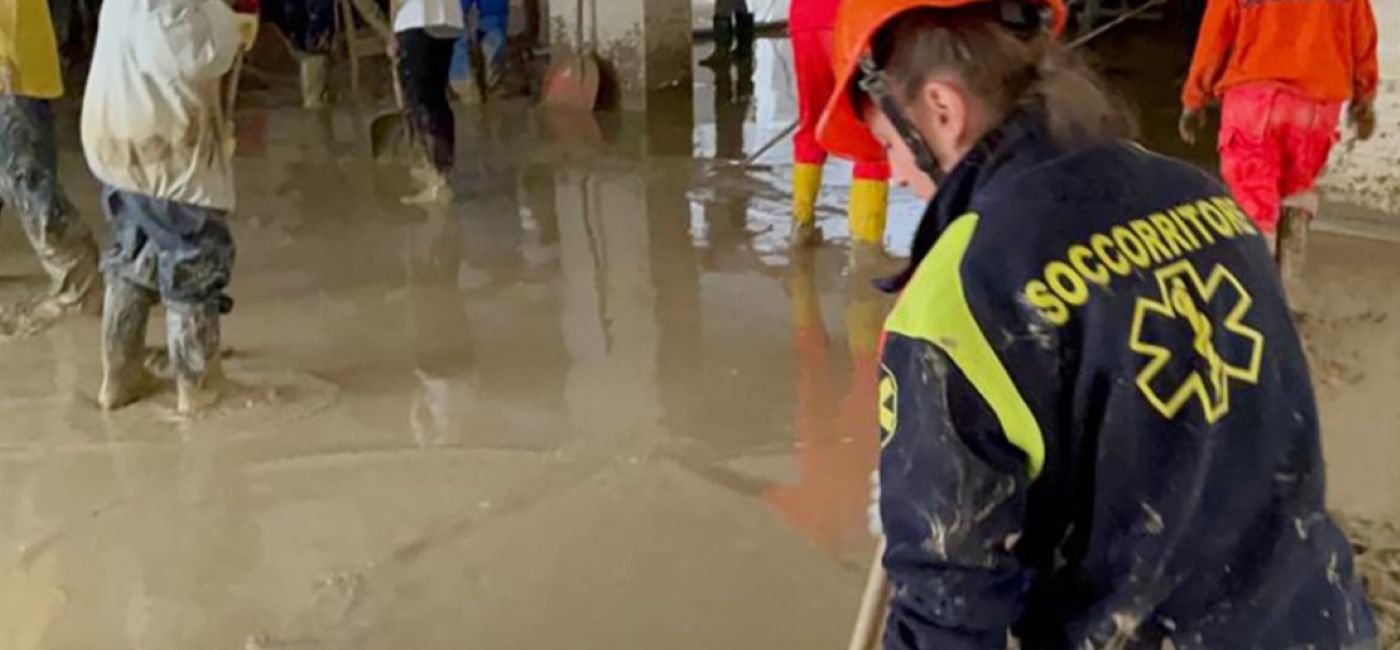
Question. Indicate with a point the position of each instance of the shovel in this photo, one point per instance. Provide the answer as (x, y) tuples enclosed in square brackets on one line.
[(573, 81), (247, 34), (388, 132)]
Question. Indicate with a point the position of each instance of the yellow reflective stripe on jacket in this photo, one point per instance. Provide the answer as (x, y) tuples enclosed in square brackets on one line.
[(934, 308), (28, 50)]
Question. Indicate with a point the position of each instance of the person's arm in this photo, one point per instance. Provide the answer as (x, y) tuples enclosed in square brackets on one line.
[(1365, 62), (1219, 29), (195, 40), (955, 470)]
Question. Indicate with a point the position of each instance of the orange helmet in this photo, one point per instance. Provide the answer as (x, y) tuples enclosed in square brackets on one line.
[(841, 131)]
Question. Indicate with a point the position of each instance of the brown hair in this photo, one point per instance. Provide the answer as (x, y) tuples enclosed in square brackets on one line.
[(1001, 69)]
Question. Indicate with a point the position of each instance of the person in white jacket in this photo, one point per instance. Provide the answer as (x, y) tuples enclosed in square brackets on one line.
[(156, 136)]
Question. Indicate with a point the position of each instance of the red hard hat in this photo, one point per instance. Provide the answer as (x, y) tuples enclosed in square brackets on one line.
[(841, 131)]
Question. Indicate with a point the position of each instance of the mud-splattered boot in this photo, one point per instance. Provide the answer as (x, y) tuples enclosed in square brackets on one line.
[(313, 80), (744, 34), (806, 185), (436, 190), (67, 252), (192, 333), (126, 310), (867, 213), (724, 44), (1292, 254)]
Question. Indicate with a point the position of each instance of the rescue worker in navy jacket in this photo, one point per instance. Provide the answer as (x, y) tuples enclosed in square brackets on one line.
[(1098, 427)]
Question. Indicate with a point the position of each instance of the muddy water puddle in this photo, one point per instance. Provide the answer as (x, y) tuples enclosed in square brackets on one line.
[(597, 394)]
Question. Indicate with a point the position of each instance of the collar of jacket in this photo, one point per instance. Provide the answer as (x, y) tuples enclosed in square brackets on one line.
[(1020, 136)]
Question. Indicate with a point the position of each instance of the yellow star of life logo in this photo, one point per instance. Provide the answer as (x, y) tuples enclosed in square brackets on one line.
[(1185, 300), (889, 405)]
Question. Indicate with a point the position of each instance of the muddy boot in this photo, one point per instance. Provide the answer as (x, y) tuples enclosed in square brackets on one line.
[(806, 185), (1291, 254), (436, 189), (724, 43), (869, 204), (70, 260), (126, 311), (192, 333), (313, 80), (744, 37)]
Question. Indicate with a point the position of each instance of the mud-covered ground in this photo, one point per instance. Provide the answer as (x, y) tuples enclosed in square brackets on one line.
[(594, 399)]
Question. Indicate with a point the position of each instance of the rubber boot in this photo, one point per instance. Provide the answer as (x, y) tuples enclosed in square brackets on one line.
[(743, 37), (806, 185), (313, 80), (192, 332), (126, 310), (1292, 249), (724, 43), (437, 190), (69, 259), (866, 216)]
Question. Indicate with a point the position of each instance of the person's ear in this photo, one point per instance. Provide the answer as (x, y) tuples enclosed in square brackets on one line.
[(946, 118)]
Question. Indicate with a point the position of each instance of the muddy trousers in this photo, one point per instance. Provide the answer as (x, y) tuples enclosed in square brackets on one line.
[(425, 66), (177, 253), (29, 184), (1273, 145)]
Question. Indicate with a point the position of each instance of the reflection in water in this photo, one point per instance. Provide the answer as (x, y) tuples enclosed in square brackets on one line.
[(836, 441)]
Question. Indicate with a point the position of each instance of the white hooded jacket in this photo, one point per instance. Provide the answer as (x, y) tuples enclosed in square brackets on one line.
[(153, 119)]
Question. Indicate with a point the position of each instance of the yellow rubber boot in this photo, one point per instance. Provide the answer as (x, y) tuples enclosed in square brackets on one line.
[(869, 205), (806, 185)]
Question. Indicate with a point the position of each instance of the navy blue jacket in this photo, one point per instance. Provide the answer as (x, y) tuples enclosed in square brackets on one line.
[(1098, 427)]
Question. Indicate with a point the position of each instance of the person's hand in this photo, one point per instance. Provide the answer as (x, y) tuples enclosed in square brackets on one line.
[(392, 47), (1191, 123), (1362, 117), (247, 30), (872, 513)]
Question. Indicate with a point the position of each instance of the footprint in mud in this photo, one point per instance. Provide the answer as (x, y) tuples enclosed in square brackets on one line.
[(1335, 346), (31, 317)]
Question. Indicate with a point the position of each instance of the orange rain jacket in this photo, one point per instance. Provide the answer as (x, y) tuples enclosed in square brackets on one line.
[(1324, 49)]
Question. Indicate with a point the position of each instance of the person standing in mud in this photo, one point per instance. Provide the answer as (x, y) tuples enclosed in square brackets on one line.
[(1097, 423), (1281, 105), (425, 33), (30, 78), (156, 135), (810, 27)]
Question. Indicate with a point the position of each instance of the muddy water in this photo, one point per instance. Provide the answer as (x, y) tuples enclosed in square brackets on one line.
[(593, 403)]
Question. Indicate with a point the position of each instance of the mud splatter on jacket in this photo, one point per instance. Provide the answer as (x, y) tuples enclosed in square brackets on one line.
[(1098, 429)]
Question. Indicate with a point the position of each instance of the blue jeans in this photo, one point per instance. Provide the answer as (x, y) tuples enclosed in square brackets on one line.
[(493, 25), (185, 252)]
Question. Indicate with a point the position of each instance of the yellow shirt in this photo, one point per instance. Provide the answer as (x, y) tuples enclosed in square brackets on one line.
[(28, 50)]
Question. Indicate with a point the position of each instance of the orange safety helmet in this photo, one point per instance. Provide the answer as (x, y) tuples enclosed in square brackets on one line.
[(841, 131)]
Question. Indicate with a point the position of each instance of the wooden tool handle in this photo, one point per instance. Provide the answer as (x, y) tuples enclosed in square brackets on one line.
[(874, 605)]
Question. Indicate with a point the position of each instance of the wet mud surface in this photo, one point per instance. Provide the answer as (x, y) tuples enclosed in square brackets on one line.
[(595, 396)]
